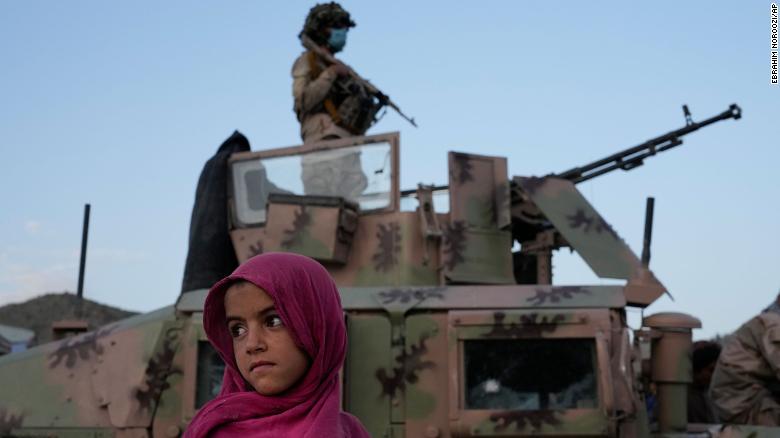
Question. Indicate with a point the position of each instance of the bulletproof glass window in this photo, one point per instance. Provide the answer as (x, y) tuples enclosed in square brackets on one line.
[(358, 173), (530, 374), (210, 370)]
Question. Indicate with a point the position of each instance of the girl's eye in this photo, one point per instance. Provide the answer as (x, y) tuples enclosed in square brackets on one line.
[(273, 321), (237, 330)]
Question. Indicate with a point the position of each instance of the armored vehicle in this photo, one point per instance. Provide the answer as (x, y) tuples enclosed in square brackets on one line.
[(451, 334)]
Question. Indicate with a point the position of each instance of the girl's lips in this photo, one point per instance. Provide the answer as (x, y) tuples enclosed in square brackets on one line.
[(260, 366)]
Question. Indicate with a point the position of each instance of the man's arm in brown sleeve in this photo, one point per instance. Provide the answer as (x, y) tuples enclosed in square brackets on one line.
[(309, 93)]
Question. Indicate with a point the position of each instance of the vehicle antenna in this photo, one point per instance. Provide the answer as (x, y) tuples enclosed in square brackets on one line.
[(648, 231), (84, 235)]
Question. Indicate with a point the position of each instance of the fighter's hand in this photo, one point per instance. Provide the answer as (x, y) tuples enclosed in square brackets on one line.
[(339, 69)]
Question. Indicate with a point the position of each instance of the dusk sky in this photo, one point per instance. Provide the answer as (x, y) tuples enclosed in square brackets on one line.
[(119, 104)]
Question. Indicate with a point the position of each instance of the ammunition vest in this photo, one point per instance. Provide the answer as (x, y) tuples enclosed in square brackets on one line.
[(348, 103)]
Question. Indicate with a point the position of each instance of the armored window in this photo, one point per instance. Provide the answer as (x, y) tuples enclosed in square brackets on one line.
[(210, 370), (541, 371), (363, 174), (530, 374)]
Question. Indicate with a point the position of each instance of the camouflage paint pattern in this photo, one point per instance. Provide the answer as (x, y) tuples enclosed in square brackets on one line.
[(423, 375), (479, 191), (591, 236), (419, 290), (135, 378), (747, 360), (109, 378), (477, 255), (389, 250), (248, 242), (366, 355), (582, 226), (322, 232), (475, 244)]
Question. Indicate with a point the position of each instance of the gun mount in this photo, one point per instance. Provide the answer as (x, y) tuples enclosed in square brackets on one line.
[(539, 237)]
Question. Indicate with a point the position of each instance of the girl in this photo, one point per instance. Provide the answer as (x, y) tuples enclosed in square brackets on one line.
[(277, 323)]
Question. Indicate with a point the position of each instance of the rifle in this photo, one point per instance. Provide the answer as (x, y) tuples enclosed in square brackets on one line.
[(309, 44), (634, 157)]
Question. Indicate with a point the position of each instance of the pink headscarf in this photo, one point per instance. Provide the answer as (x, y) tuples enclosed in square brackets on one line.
[(309, 305)]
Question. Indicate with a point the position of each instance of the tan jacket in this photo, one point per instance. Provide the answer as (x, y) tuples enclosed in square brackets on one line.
[(746, 382), (309, 95)]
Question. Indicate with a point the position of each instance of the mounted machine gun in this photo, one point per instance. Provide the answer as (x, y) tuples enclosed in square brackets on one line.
[(538, 238)]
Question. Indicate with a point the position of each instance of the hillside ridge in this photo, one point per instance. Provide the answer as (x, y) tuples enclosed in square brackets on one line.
[(37, 314)]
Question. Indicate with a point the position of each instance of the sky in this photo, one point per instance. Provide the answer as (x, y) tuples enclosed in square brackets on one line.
[(119, 104)]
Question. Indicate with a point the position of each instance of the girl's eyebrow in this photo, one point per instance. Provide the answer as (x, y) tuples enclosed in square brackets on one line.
[(261, 312), (267, 310)]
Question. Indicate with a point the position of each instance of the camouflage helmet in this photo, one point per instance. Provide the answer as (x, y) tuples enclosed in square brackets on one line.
[(322, 16)]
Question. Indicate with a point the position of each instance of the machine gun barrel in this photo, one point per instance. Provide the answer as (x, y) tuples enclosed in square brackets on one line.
[(634, 156)]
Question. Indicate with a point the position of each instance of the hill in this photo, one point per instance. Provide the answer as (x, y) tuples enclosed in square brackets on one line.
[(38, 313)]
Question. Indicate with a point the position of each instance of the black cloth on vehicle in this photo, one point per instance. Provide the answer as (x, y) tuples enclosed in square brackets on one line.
[(211, 255)]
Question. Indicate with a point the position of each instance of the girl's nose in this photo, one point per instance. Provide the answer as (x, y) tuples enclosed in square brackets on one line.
[(255, 342)]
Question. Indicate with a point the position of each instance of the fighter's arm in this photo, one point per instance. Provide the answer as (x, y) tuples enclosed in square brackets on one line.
[(309, 93), (770, 343)]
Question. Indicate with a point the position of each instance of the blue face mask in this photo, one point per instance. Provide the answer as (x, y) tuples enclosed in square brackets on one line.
[(337, 39)]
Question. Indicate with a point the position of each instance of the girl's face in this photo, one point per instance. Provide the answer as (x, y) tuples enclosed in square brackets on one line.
[(266, 354)]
